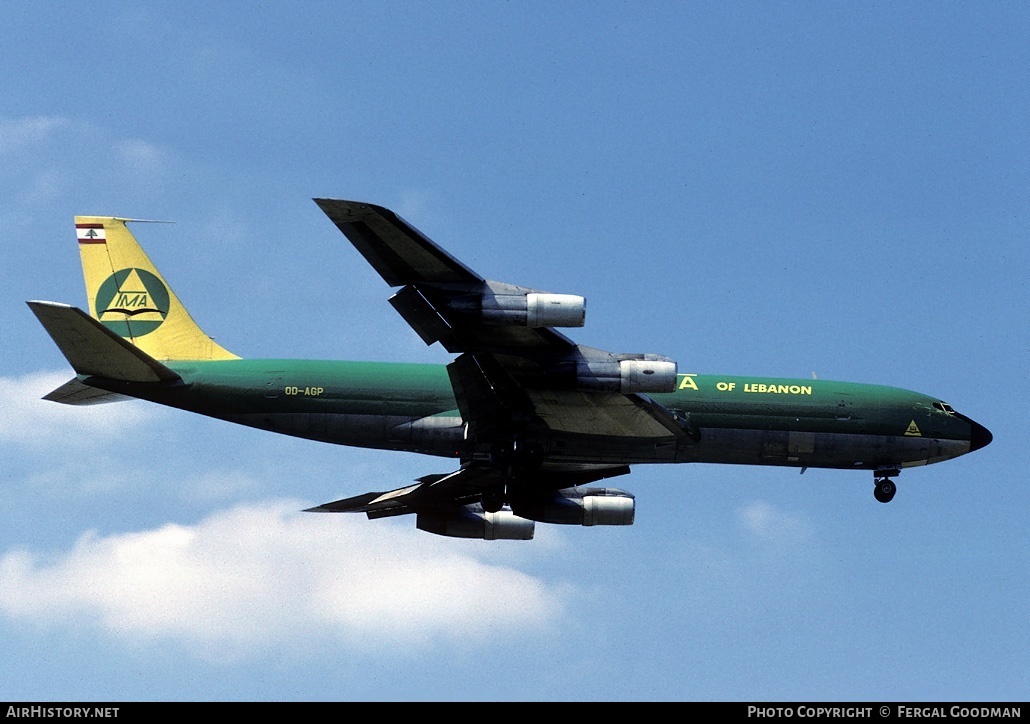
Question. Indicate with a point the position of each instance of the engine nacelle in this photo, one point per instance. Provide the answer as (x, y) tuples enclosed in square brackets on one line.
[(535, 309), (580, 506), (472, 522), (653, 373)]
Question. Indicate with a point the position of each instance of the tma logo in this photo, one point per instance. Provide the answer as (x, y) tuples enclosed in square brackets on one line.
[(132, 302)]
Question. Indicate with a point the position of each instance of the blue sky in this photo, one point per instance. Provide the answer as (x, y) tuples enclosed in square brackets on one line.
[(749, 188)]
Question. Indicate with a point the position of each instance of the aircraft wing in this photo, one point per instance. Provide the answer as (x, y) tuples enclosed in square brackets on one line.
[(512, 362), (460, 487), (441, 493), (439, 296), (515, 377), (398, 251)]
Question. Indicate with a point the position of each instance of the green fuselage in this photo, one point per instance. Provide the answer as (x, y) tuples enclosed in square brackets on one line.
[(743, 420)]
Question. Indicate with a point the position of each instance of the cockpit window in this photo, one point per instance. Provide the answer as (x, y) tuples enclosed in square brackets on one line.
[(944, 407)]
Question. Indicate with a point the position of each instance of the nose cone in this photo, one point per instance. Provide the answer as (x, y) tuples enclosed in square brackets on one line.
[(979, 436)]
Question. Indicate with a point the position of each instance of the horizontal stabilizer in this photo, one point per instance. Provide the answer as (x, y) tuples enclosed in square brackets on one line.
[(94, 350), (76, 392)]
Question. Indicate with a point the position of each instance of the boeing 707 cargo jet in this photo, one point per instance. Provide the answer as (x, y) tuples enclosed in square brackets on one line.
[(533, 420)]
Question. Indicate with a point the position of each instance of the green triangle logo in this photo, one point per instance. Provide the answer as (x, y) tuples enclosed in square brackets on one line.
[(132, 302)]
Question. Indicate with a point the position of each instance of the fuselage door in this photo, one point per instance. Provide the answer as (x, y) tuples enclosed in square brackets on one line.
[(274, 385)]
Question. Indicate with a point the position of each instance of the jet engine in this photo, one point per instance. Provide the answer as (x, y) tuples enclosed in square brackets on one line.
[(526, 309), (650, 373), (471, 521), (579, 506)]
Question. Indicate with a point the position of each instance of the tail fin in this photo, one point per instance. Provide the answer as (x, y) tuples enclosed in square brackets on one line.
[(128, 295)]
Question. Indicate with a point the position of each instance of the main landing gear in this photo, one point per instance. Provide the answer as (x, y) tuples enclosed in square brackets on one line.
[(513, 460), (883, 487)]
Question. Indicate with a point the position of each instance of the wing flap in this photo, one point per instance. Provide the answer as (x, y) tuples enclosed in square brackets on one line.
[(421, 316), (598, 413)]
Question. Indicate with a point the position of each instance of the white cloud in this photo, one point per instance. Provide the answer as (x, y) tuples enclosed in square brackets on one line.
[(414, 205), (42, 187), (29, 421), (142, 161), (48, 157), (19, 133), (773, 525), (220, 485), (140, 153), (263, 577)]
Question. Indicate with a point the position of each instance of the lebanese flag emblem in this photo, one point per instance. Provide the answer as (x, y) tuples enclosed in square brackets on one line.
[(91, 233)]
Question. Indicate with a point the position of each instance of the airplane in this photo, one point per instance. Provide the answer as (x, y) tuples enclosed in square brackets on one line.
[(534, 420)]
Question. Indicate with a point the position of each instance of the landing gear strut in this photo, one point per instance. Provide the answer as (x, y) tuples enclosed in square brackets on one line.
[(883, 487)]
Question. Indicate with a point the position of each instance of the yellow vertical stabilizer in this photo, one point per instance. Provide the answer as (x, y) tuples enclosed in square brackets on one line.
[(128, 295)]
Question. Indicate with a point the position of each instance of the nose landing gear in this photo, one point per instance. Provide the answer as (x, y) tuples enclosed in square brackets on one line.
[(884, 490), (883, 487)]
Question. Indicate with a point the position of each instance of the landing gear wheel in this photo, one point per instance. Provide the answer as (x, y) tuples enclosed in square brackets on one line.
[(493, 499), (884, 490)]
